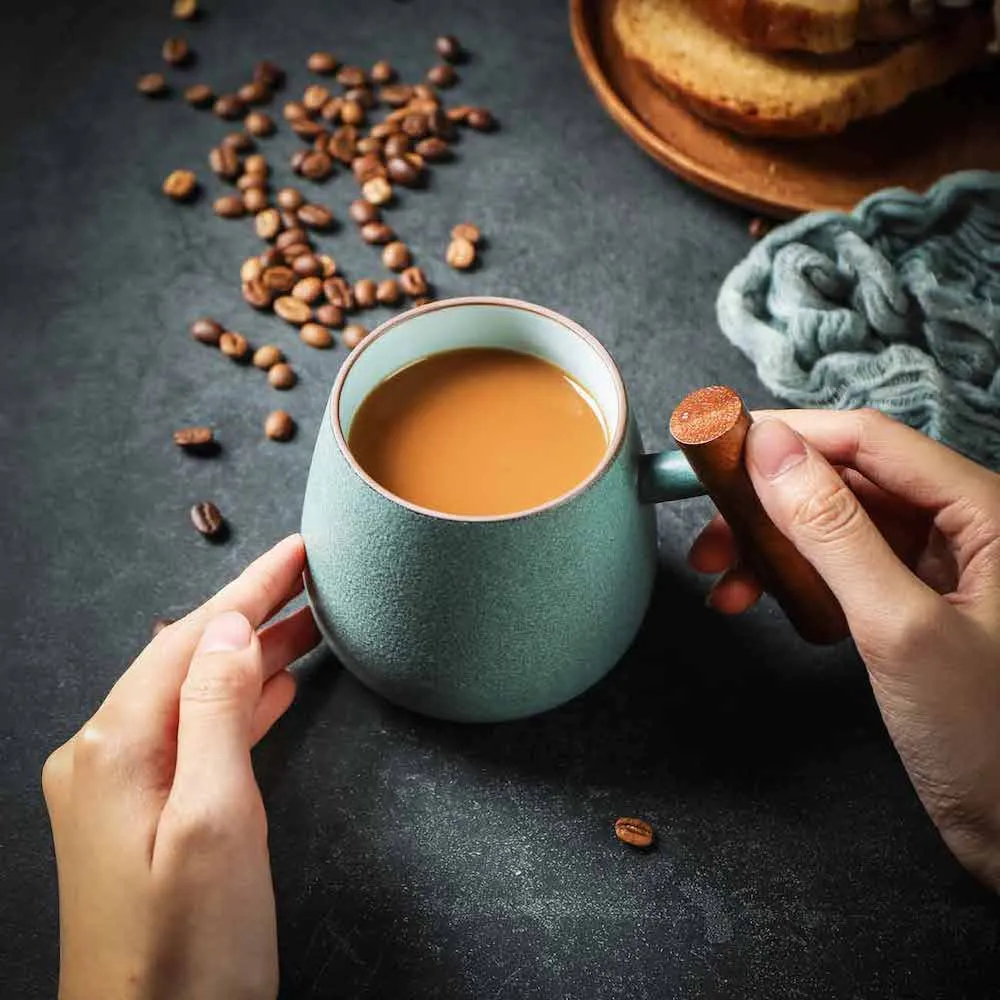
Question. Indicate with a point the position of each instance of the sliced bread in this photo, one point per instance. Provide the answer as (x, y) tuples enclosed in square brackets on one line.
[(793, 95), (815, 25)]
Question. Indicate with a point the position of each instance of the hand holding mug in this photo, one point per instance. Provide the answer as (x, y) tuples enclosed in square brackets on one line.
[(907, 536), (159, 828)]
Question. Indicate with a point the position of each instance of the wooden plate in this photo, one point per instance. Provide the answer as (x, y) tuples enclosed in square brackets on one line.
[(956, 127)]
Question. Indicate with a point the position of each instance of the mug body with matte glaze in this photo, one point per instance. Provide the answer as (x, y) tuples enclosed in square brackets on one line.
[(482, 619)]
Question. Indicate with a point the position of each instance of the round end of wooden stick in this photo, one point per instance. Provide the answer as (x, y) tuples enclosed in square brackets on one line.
[(705, 415)]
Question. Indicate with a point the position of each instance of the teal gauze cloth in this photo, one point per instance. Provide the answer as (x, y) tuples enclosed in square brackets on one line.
[(895, 305)]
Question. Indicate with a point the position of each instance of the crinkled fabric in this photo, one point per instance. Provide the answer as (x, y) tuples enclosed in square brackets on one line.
[(895, 305)]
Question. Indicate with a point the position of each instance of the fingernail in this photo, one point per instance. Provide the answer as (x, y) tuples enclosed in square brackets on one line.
[(225, 633), (773, 448)]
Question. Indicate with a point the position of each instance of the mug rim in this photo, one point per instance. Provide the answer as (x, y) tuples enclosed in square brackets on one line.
[(611, 453)]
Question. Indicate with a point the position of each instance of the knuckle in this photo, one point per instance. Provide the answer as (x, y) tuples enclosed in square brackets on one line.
[(54, 772), (830, 513), (94, 748), (230, 679), (202, 826), (894, 637)]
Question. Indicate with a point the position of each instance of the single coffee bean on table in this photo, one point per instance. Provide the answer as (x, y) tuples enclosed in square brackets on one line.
[(185, 10), (388, 292), (635, 832), (382, 72), (461, 254), (443, 75), (480, 119), (267, 356), (152, 85), (207, 519), (234, 345), (364, 212), (180, 185), (246, 181), (267, 224), (258, 123), (269, 73), (207, 331), (365, 293), (352, 113), (238, 141), (413, 282), (316, 335), (229, 107), (339, 293), (307, 265), (225, 162), (255, 200), (433, 149), (257, 164), (402, 171), (322, 63), (353, 334), (254, 92), (377, 233), (256, 293), (292, 310), (194, 438), (308, 290), (289, 197), (279, 426), (229, 206), (396, 256), (330, 316), (315, 216), (281, 376), (175, 51), (351, 76), (448, 47), (199, 95), (377, 190)]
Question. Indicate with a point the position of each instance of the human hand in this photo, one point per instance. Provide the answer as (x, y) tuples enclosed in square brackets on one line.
[(907, 536), (159, 827)]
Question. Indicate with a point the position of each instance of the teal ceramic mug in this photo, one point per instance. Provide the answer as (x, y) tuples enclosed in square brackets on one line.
[(483, 619)]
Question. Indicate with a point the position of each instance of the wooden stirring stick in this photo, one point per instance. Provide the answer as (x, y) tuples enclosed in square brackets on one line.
[(710, 426)]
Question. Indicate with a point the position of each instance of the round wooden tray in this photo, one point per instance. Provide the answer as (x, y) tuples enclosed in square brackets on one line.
[(956, 127)]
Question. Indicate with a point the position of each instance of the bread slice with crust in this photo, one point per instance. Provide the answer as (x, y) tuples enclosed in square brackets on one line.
[(815, 25), (792, 95)]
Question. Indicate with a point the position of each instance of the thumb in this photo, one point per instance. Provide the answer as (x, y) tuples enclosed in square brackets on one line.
[(217, 703), (817, 511)]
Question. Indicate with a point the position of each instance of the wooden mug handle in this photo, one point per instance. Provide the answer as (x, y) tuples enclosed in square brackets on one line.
[(710, 426)]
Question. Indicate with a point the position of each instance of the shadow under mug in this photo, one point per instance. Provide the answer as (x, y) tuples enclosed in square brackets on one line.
[(484, 619)]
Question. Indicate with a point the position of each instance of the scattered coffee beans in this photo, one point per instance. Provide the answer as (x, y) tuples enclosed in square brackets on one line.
[(194, 438), (267, 357), (207, 331), (207, 519), (480, 119), (180, 185), (316, 335), (152, 84), (321, 62), (281, 376), (461, 254), (175, 51), (279, 426), (636, 832), (377, 233), (229, 206), (234, 345)]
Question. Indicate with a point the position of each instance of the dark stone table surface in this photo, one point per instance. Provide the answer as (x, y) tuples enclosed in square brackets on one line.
[(414, 858)]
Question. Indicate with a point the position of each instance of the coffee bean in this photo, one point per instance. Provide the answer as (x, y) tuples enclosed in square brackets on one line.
[(267, 223), (339, 293), (415, 126), (353, 335), (254, 200), (258, 123), (247, 181), (279, 426), (461, 254), (308, 290), (315, 96), (480, 119), (328, 265), (290, 236), (185, 10), (351, 76), (459, 113), (252, 268), (330, 315), (434, 149), (363, 212), (281, 376), (254, 93), (256, 293), (180, 185), (279, 279), (367, 167), (343, 144), (256, 164), (377, 233), (759, 228), (152, 84), (229, 106), (413, 282), (377, 190), (294, 111), (229, 206), (194, 438), (267, 357), (307, 266), (396, 256), (365, 293), (321, 62), (466, 231), (443, 75), (207, 519), (395, 94), (234, 345), (159, 624), (382, 72), (199, 95), (316, 166), (388, 293), (402, 171), (224, 162), (352, 113), (175, 51), (441, 126), (396, 144), (448, 47), (315, 216), (269, 73), (316, 335), (330, 111), (289, 197), (425, 93), (292, 310), (368, 145), (207, 331), (240, 142), (272, 257), (382, 130), (296, 250), (636, 832)]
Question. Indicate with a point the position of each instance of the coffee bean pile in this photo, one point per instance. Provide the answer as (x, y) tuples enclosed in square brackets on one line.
[(366, 125)]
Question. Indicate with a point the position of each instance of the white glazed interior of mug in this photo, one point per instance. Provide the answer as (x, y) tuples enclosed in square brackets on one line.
[(481, 322)]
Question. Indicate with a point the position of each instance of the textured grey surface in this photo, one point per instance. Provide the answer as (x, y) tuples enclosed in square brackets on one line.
[(411, 858)]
